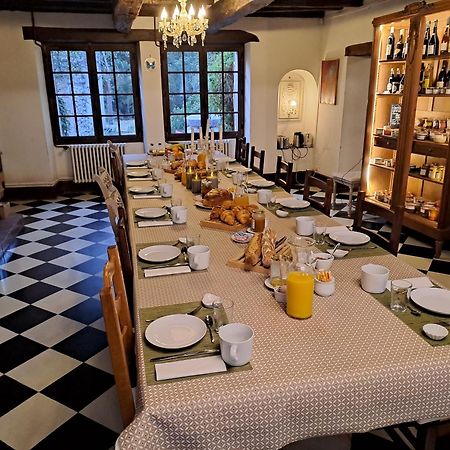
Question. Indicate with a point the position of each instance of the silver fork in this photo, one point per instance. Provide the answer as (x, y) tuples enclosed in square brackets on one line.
[(191, 313)]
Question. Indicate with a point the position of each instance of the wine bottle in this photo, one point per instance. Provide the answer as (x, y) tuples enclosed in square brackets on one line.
[(445, 39), (426, 40), (396, 82), (426, 78), (401, 83), (390, 46), (390, 82), (405, 46), (433, 43), (421, 78), (440, 83), (398, 54)]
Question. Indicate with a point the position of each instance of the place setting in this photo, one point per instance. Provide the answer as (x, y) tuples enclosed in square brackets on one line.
[(137, 163), (417, 302), (139, 175), (194, 339), (142, 192), (152, 217)]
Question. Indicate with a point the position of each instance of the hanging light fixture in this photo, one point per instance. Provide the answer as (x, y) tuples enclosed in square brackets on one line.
[(184, 27)]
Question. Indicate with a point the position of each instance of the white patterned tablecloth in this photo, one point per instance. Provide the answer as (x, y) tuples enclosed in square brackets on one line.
[(352, 367)]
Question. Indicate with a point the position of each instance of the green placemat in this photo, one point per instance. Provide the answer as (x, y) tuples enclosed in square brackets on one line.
[(152, 352), (309, 211), (146, 265), (137, 219), (414, 322), (357, 251)]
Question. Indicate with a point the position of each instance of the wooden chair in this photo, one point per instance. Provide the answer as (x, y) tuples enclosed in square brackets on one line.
[(258, 154), (243, 151), (113, 202), (117, 166), (394, 216), (105, 182), (237, 147), (284, 174), (123, 244), (322, 182), (119, 332)]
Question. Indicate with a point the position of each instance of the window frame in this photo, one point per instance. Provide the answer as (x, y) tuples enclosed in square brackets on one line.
[(240, 49), (90, 49)]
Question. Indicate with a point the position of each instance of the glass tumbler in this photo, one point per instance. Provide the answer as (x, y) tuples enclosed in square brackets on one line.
[(222, 312), (399, 295)]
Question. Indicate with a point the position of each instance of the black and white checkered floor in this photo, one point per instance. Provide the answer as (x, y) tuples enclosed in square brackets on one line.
[(56, 385)]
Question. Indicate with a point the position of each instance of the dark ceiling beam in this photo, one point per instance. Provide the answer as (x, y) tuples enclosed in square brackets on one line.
[(99, 36), (226, 12), (299, 14), (363, 50), (64, 6), (154, 9), (318, 4), (273, 7), (125, 11)]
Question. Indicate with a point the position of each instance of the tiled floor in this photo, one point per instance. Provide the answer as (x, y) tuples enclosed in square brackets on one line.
[(56, 385)]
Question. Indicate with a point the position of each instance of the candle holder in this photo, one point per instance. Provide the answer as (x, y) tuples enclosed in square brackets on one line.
[(189, 176), (213, 177), (196, 184)]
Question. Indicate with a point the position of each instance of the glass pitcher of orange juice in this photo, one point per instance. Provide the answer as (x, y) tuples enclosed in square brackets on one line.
[(300, 281)]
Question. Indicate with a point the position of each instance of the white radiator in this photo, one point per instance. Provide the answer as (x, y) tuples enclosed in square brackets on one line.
[(87, 158)]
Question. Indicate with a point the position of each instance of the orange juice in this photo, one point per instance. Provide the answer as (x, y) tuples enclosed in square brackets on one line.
[(300, 290), (241, 200)]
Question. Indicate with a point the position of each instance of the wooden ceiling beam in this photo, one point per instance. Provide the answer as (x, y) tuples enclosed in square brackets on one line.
[(64, 6), (362, 50), (125, 11), (318, 4), (299, 14), (226, 12)]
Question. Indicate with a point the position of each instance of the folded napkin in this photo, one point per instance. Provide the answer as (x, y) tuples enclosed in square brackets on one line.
[(154, 223), (418, 282), (147, 196), (149, 273), (189, 368)]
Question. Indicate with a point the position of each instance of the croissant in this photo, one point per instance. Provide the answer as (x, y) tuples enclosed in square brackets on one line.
[(215, 213), (236, 209), (228, 217), (268, 246), (252, 208), (243, 216)]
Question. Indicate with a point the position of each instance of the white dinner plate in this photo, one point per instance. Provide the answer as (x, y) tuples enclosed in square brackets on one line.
[(159, 253), (137, 174), (227, 159), (294, 203), (139, 163), (202, 206), (349, 237), (142, 189), (432, 299), (151, 213), (175, 331), (261, 183)]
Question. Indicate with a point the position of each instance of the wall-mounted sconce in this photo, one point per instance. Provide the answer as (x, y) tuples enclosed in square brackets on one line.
[(150, 63)]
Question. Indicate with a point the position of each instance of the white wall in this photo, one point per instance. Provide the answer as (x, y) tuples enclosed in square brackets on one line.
[(335, 145)]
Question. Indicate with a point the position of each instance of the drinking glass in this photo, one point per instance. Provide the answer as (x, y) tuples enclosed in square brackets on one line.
[(319, 234), (192, 239), (272, 204), (176, 201), (222, 312), (399, 295)]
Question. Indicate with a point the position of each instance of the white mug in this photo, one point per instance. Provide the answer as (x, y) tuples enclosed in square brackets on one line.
[(264, 196), (166, 189), (198, 257), (157, 173), (374, 278), (304, 226), (236, 343), (179, 214)]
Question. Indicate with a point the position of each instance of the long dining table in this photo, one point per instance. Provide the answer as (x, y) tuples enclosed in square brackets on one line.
[(352, 367)]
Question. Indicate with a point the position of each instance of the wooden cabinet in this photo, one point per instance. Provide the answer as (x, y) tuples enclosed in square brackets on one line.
[(405, 171)]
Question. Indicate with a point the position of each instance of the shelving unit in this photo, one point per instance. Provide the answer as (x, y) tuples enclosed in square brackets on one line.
[(397, 184)]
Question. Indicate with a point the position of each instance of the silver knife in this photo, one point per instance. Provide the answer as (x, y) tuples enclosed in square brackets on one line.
[(215, 351)]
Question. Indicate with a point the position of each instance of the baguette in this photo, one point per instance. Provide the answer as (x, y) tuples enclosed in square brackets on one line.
[(253, 250), (268, 246)]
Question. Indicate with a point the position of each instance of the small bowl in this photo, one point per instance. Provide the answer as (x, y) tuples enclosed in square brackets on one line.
[(435, 332), (281, 213), (338, 253), (280, 294), (325, 288), (439, 138), (421, 137), (324, 261)]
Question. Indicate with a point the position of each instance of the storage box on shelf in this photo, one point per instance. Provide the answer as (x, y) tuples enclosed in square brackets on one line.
[(406, 164)]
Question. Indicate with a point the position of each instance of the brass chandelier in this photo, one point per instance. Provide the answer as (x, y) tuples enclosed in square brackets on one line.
[(184, 27)]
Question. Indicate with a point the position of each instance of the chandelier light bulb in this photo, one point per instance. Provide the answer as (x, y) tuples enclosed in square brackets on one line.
[(164, 14), (191, 12), (176, 13), (201, 13)]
